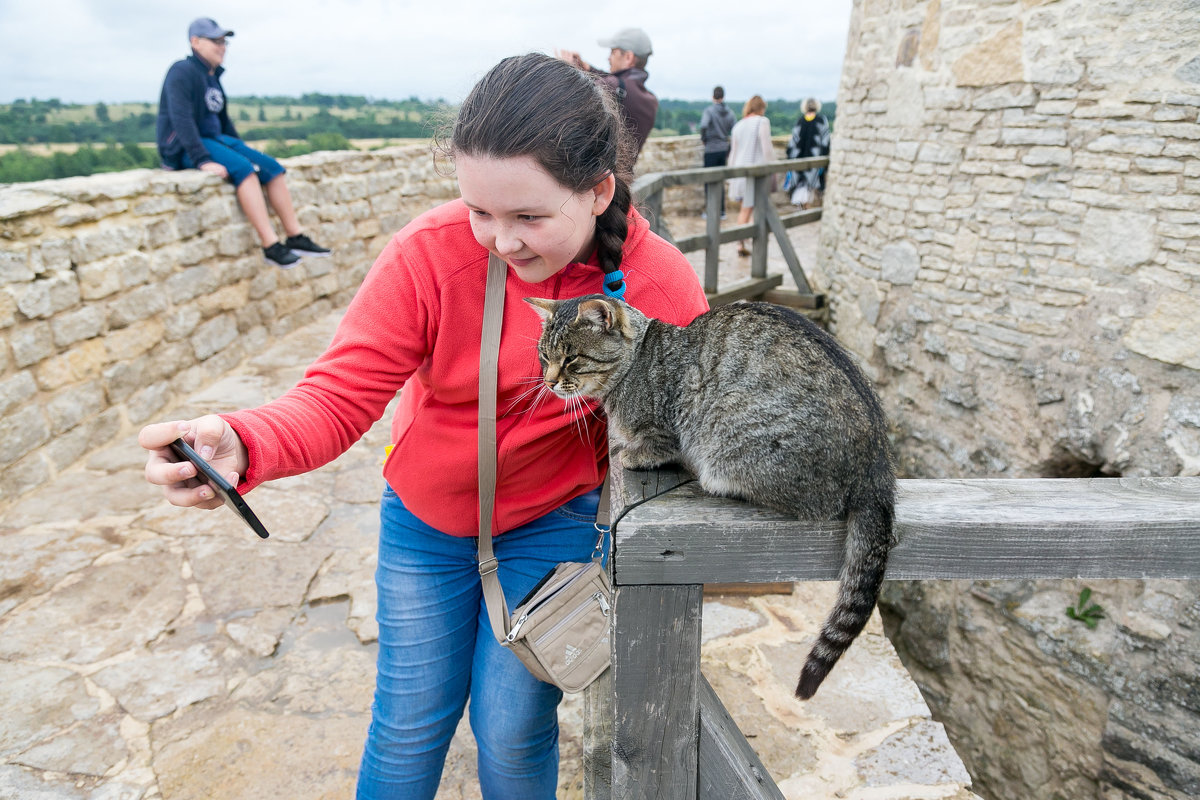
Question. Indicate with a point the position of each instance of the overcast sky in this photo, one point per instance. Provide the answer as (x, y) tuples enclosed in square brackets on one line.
[(83, 51)]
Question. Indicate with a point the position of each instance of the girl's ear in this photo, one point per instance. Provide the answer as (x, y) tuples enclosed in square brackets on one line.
[(604, 191)]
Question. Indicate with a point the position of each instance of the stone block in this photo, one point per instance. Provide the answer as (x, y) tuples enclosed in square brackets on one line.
[(82, 362), (143, 405), (26, 202), (217, 211), (1116, 240), (15, 390), (130, 342), (31, 343), (213, 336), (48, 296), (22, 431), (154, 205), (190, 283), (1170, 332), (162, 231), (75, 326), (107, 241), (71, 406), (198, 250), (99, 279), (143, 302), (227, 298), (14, 265), (1046, 136), (234, 240)]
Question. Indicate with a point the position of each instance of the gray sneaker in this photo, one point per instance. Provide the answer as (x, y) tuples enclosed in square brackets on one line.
[(281, 256)]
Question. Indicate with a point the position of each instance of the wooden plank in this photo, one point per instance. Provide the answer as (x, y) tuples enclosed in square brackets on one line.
[(780, 587), (789, 253), (597, 739), (657, 181), (655, 692), (629, 488), (754, 287), (949, 529), (701, 241), (729, 767)]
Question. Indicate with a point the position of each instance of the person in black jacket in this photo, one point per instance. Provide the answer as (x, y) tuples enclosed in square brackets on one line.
[(194, 131)]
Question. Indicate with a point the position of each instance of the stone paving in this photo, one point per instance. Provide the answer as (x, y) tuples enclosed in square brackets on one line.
[(154, 652)]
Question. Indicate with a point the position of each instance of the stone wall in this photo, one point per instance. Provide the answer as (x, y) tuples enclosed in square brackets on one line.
[(1012, 232), (121, 292)]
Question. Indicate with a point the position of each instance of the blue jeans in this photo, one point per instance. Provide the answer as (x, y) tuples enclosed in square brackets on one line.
[(240, 159), (436, 649)]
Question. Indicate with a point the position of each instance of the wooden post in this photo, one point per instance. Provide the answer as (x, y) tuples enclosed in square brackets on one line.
[(656, 692), (712, 251)]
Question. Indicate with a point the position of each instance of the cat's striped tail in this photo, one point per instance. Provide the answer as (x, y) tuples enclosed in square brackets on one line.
[(868, 540)]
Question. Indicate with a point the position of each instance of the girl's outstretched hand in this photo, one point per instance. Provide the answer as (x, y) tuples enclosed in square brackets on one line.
[(216, 442)]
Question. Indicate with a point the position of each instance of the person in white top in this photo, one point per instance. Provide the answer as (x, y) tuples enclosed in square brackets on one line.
[(750, 143)]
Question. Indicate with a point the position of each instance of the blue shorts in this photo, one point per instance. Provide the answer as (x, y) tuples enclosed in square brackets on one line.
[(241, 160)]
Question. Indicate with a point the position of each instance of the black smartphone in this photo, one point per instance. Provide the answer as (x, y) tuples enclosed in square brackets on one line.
[(206, 473)]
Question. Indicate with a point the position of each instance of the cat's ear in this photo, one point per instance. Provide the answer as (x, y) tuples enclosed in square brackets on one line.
[(598, 313), (544, 308)]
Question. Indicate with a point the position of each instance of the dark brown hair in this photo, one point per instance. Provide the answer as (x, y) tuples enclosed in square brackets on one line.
[(538, 106)]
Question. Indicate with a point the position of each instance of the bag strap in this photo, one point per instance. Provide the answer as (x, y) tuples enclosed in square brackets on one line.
[(489, 358)]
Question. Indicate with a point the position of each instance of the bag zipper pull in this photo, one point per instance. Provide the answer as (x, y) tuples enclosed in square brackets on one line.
[(512, 634), (599, 598)]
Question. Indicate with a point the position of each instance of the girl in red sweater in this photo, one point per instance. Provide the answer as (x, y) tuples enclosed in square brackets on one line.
[(542, 162)]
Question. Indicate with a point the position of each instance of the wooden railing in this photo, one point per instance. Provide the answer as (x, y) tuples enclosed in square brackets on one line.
[(648, 193), (654, 728)]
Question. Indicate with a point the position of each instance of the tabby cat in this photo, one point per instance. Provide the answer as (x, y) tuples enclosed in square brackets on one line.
[(757, 402)]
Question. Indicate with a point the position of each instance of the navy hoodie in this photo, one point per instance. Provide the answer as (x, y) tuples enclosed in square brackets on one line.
[(184, 114)]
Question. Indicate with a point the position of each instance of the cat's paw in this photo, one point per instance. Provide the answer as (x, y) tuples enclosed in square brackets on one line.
[(631, 459)]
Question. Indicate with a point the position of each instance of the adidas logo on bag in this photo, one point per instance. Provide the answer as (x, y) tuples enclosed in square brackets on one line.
[(571, 653)]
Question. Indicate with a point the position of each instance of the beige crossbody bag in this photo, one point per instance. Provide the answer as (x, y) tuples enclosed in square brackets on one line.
[(560, 631)]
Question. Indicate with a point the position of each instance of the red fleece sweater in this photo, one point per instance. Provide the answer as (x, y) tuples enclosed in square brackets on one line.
[(416, 322)]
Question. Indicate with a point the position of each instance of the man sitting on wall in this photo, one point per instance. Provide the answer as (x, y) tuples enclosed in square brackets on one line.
[(194, 131)]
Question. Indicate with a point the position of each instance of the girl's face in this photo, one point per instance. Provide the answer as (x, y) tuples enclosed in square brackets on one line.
[(526, 217)]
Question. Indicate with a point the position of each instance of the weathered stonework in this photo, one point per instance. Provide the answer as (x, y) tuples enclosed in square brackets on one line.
[(119, 293), (1012, 231)]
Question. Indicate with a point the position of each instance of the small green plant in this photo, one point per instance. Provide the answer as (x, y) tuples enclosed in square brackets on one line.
[(1085, 611)]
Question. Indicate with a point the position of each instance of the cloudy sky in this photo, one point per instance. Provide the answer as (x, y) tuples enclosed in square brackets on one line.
[(85, 51)]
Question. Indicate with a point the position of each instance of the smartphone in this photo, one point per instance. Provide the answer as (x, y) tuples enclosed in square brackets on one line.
[(206, 473)]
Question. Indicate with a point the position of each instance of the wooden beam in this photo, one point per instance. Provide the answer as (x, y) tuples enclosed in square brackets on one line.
[(754, 287), (800, 218), (948, 529), (793, 299), (789, 253), (729, 767)]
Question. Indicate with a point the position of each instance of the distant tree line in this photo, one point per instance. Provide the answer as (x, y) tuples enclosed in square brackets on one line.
[(683, 116), (112, 142), (20, 165)]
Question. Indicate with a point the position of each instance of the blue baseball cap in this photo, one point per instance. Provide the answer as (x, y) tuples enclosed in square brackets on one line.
[(207, 28)]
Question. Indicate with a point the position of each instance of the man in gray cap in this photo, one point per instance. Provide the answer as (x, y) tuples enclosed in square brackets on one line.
[(629, 49), (194, 131)]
